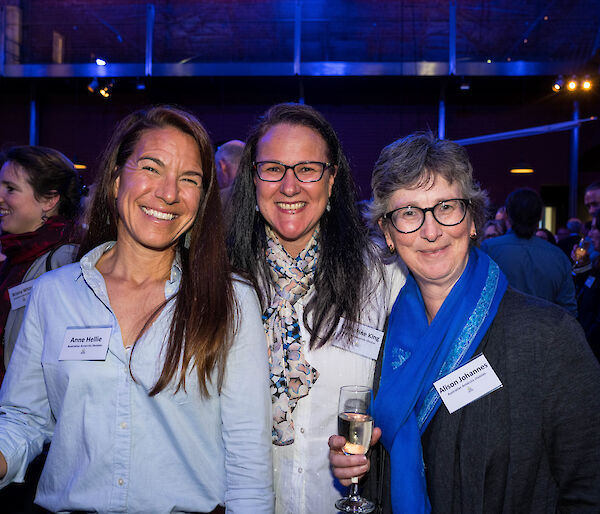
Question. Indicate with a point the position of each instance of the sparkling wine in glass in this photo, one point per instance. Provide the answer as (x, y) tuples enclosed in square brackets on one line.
[(355, 423), (582, 251)]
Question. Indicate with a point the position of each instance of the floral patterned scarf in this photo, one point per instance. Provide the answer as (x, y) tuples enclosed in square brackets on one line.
[(291, 376)]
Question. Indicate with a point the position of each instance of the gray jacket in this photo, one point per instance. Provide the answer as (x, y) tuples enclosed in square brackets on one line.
[(532, 446)]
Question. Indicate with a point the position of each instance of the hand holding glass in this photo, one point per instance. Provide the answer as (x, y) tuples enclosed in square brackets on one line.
[(581, 253), (355, 423)]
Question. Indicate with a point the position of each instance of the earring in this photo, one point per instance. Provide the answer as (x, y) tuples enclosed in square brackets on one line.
[(391, 249), (256, 208), (188, 239), (44, 217), (473, 236), (328, 208)]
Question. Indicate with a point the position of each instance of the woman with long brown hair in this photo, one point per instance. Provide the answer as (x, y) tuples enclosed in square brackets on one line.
[(145, 363)]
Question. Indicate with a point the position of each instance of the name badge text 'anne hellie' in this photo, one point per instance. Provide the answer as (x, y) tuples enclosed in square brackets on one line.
[(85, 344)]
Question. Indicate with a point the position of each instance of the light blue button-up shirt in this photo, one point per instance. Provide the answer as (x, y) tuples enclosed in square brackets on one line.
[(114, 448)]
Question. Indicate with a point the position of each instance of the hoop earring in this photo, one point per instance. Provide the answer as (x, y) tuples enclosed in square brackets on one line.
[(473, 236), (44, 217)]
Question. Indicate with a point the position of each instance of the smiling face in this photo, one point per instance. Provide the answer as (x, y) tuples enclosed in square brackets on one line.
[(159, 189), (20, 210), (293, 208), (436, 255)]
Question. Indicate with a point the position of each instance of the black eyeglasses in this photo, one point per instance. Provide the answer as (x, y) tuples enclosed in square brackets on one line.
[(410, 219), (305, 171)]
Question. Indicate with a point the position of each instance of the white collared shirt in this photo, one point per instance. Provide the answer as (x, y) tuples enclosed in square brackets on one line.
[(303, 480)]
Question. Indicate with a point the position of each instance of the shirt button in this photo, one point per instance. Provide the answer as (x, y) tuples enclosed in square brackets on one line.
[(302, 430), (123, 425), (300, 470), (121, 481)]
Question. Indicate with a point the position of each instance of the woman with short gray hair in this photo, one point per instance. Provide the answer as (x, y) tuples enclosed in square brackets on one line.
[(520, 425)]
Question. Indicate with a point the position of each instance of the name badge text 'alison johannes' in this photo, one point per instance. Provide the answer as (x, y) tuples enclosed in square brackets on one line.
[(468, 383)]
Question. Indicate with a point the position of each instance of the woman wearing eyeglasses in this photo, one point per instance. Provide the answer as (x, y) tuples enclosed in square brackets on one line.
[(526, 441), (296, 229)]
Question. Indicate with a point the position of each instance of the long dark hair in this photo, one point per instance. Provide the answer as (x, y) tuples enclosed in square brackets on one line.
[(344, 246), (204, 306)]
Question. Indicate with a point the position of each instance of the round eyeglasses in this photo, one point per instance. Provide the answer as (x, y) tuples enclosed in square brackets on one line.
[(410, 219), (305, 171)]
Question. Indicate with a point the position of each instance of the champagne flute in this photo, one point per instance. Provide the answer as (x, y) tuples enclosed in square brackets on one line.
[(582, 251), (355, 423)]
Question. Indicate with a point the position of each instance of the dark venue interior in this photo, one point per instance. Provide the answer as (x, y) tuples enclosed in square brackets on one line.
[(377, 69)]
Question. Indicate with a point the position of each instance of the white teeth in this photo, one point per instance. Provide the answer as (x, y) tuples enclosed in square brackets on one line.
[(291, 206), (158, 214), (4, 212)]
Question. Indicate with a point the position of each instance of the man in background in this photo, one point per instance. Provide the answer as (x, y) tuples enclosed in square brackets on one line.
[(532, 265), (227, 160), (591, 199)]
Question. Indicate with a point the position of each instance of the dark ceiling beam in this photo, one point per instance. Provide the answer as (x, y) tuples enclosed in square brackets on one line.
[(283, 69)]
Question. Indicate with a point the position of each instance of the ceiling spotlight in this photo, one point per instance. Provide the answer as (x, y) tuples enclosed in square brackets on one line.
[(572, 84), (465, 85), (100, 62), (140, 85), (93, 85), (558, 84), (107, 89), (586, 85)]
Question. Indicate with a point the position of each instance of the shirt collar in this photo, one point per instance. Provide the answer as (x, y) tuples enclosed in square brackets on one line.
[(89, 260)]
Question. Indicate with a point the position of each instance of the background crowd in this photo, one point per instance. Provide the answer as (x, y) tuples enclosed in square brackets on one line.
[(230, 289)]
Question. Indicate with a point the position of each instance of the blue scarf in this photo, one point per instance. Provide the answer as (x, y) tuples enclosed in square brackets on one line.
[(416, 354)]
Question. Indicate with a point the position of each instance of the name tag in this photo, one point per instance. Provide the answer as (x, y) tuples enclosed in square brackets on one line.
[(362, 340), (20, 294), (468, 383), (85, 344), (588, 283)]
